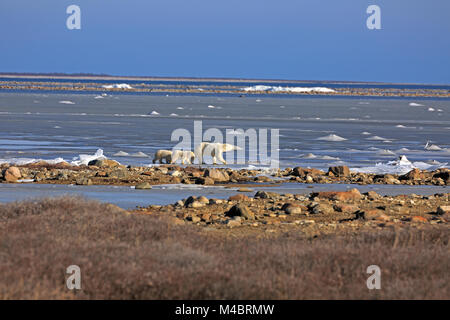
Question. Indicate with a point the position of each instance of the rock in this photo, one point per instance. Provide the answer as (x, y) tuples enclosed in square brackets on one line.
[(83, 181), (241, 211), (419, 219), (118, 174), (262, 179), (441, 210), (369, 214), (233, 223), (194, 219), (203, 199), (239, 197), (266, 195), (322, 208), (309, 179), (414, 174), (204, 181), (206, 217), (176, 173), (217, 175), (291, 208), (352, 194), (196, 204), (372, 195), (302, 172), (105, 163), (12, 174), (345, 208), (143, 186), (340, 171), (389, 179)]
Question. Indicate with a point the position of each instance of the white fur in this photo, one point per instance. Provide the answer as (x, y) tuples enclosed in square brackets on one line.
[(216, 151), (173, 156), (163, 154), (185, 156)]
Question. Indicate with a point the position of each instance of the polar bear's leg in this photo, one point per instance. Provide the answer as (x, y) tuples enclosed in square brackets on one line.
[(175, 156), (220, 157), (198, 151)]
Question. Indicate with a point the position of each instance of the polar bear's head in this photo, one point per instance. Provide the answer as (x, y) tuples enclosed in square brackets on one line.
[(229, 147)]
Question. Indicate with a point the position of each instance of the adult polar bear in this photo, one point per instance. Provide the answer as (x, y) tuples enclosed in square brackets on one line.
[(214, 149)]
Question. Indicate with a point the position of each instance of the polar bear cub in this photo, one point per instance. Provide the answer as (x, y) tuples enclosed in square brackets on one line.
[(161, 155), (173, 156), (216, 151), (185, 156)]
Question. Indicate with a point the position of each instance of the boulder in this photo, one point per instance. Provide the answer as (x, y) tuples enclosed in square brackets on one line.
[(204, 181), (339, 171), (105, 163), (291, 208), (217, 175), (12, 174), (240, 210), (302, 172), (239, 197), (266, 195), (143, 186), (414, 174), (352, 194), (83, 181)]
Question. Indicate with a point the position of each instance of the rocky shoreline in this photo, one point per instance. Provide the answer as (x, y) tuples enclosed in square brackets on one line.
[(215, 89), (110, 172), (318, 213)]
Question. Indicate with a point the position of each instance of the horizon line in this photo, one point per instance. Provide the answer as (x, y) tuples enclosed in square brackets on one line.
[(84, 75)]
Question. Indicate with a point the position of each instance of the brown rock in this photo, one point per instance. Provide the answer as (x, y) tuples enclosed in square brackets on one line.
[(352, 194), (414, 174), (204, 181), (340, 171), (302, 172), (217, 175), (372, 195), (291, 208), (240, 210), (12, 174), (239, 197), (345, 208), (203, 199), (106, 163), (83, 181), (419, 219)]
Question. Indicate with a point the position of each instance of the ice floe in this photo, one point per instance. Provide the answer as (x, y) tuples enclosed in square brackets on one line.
[(117, 86), (332, 137), (399, 166), (288, 89), (84, 159)]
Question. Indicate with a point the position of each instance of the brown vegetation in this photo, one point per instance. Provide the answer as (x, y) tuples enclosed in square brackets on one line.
[(136, 256)]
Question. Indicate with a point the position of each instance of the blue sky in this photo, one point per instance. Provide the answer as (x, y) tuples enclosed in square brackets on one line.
[(282, 39)]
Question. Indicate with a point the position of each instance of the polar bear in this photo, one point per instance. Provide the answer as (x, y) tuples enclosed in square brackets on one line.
[(163, 154), (216, 151), (185, 156)]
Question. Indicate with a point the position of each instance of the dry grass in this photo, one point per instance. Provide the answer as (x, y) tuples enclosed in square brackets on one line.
[(135, 256)]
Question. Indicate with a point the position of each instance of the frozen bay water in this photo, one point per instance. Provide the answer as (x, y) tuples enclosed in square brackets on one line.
[(314, 132)]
